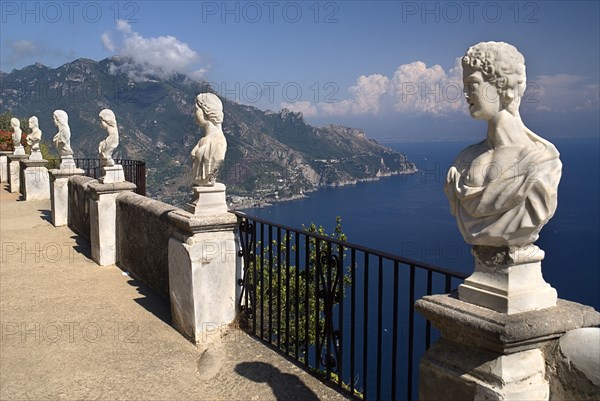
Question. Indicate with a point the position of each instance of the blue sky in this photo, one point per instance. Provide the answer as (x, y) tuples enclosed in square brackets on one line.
[(386, 67)]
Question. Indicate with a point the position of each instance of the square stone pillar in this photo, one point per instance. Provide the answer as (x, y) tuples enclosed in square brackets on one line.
[(59, 194), (14, 172), (36, 182), (103, 215), (4, 165), (489, 355), (204, 267)]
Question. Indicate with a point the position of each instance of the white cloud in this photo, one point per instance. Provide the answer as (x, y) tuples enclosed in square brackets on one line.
[(123, 26), (419, 89), (24, 47), (107, 42), (413, 88), (367, 93), (340, 108), (306, 108), (160, 56), (24, 52), (561, 93), (416, 89)]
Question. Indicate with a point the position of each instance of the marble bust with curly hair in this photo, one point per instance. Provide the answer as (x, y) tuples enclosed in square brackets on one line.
[(502, 190)]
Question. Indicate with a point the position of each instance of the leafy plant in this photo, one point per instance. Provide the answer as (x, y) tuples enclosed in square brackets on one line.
[(283, 292), (295, 284), (6, 142), (48, 151), (5, 120)]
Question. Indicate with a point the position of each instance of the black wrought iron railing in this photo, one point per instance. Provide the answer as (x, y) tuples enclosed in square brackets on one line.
[(343, 311), (134, 170)]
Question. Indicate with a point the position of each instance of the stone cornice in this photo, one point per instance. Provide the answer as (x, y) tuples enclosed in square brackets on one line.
[(472, 325)]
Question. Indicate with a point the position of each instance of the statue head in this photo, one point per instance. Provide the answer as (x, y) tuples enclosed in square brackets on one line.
[(15, 123), (108, 117), (494, 78), (209, 107), (33, 122), (61, 118)]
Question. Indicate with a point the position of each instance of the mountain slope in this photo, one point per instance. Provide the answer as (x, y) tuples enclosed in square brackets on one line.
[(268, 154)]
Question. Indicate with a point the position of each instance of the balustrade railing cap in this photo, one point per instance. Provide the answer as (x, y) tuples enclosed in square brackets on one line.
[(16, 158), (190, 223), (65, 172), (35, 163), (98, 188), (475, 326)]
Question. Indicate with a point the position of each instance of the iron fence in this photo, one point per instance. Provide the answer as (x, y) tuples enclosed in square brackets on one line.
[(134, 170), (343, 311)]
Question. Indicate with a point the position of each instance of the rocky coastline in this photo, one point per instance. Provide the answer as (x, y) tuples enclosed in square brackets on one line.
[(235, 202)]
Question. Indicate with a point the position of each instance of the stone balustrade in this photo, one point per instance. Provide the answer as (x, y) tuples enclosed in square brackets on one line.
[(142, 251)]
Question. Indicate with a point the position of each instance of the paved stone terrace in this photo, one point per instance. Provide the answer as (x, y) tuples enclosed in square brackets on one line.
[(73, 330)]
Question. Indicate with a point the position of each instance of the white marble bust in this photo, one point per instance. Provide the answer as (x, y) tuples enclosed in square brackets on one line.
[(33, 139), (502, 190), (107, 146), (209, 153), (15, 125), (62, 140)]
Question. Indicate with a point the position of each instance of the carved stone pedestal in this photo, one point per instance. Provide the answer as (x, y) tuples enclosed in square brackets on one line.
[(36, 180), (14, 172), (67, 163), (112, 174), (19, 151), (103, 213), (508, 280), (487, 355), (4, 165), (35, 155), (59, 194), (208, 201), (204, 267)]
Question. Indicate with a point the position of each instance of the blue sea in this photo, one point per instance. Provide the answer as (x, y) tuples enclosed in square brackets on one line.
[(408, 215)]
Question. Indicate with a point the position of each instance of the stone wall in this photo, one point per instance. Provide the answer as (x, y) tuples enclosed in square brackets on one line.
[(143, 232), (79, 205)]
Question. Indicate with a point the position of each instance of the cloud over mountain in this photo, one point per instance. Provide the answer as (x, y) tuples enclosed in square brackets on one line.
[(160, 56), (419, 90), (413, 88)]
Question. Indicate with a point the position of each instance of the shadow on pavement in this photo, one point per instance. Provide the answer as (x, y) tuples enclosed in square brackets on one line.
[(82, 246), (46, 214), (151, 301), (285, 386)]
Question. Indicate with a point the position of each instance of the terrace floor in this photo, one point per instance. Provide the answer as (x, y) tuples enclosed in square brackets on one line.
[(73, 330)]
